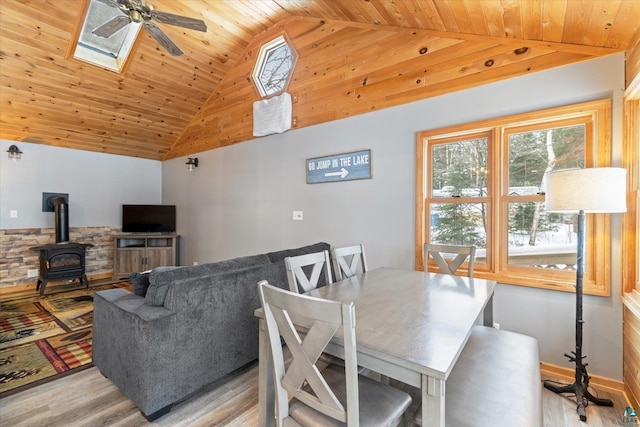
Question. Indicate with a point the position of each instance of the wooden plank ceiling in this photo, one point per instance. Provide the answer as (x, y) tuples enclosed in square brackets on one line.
[(355, 56)]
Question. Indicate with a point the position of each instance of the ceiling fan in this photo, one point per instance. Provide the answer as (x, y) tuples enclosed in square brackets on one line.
[(141, 11)]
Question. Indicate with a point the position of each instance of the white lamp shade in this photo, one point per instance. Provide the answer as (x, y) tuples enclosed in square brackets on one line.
[(597, 190)]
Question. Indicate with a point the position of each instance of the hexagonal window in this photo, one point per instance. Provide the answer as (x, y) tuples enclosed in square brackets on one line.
[(274, 66)]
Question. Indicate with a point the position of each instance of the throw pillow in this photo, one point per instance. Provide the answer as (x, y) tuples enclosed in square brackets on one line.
[(140, 283)]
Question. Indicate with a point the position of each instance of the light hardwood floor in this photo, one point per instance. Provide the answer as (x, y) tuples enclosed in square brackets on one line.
[(560, 411), (88, 399)]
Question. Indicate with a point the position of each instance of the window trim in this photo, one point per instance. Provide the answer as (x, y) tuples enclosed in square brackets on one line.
[(281, 40), (631, 219), (597, 281)]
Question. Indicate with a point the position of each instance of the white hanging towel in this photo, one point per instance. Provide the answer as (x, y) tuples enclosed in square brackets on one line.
[(272, 115)]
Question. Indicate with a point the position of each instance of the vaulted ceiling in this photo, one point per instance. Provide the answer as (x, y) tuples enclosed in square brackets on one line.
[(355, 56)]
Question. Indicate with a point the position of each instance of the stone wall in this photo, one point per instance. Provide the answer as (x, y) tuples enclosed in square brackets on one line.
[(16, 257)]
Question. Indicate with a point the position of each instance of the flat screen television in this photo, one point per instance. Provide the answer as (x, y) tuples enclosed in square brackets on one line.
[(148, 218)]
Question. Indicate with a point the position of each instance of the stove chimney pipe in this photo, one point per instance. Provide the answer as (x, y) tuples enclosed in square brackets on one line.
[(62, 218)]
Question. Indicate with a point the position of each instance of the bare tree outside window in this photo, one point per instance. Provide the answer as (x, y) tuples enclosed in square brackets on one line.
[(274, 66), (538, 239), (277, 68)]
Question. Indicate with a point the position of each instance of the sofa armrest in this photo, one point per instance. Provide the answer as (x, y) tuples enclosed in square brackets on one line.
[(134, 346), (133, 305)]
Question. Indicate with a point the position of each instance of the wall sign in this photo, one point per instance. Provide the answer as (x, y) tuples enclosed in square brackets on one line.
[(339, 167)]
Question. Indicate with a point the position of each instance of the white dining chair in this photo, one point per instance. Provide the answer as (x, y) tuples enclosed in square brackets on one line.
[(315, 264), (449, 258), (300, 282), (329, 396), (348, 261)]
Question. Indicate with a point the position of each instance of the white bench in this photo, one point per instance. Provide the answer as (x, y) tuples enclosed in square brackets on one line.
[(495, 382)]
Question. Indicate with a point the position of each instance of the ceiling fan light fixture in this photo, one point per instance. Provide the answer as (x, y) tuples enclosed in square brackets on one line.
[(142, 12), (135, 16)]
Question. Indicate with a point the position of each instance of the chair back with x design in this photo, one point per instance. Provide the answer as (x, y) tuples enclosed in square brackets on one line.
[(459, 255), (347, 260), (302, 379), (315, 263)]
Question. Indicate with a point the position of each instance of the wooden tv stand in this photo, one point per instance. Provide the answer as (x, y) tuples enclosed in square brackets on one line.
[(136, 252)]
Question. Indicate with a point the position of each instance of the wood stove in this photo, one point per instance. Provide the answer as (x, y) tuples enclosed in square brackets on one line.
[(62, 260)]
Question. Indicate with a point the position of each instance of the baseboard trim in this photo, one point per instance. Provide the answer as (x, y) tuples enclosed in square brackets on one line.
[(569, 374), (31, 287)]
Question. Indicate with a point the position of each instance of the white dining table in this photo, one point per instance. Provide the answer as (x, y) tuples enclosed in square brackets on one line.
[(410, 326)]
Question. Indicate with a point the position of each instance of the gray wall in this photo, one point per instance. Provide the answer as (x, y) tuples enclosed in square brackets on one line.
[(240, 200), (98, 184)]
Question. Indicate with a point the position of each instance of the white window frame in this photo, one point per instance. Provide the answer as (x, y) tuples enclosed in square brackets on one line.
[(263, 55)]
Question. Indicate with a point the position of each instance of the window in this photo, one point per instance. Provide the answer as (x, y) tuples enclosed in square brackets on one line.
[(274, 66), (108, 52), (483, 184)]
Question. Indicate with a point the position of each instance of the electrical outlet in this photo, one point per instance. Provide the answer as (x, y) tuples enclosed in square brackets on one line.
[(13, 213), (195, 263), (32, 273), (496, 325), (297, 215)]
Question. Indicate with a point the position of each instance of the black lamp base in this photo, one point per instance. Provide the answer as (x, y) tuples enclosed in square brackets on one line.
[(581, 385), (580, 388)]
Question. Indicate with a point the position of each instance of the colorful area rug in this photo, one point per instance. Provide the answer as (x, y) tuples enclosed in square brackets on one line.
[(46, 337)]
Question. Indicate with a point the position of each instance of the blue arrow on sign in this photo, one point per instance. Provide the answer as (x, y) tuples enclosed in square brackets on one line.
[(339, 167)]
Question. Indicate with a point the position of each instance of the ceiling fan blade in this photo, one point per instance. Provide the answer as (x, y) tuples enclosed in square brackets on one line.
[(112, 26), (178, 20), (162, 38)]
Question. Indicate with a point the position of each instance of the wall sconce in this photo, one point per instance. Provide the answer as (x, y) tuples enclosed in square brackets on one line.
[(14, 152), (192, 163)]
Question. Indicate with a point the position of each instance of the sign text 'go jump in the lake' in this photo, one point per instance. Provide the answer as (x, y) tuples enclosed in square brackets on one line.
[(339, 167)]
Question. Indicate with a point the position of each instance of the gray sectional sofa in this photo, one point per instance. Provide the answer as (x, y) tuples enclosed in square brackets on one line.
[(183, 328)]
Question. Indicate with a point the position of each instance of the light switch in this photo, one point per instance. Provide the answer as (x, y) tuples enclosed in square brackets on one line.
[(297, 215), (13, 213)]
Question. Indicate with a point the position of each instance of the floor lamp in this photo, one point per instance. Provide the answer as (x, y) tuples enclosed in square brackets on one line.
[(592, 190)]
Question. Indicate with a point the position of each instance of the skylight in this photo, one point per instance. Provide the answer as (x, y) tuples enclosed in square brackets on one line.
[(111, 52)]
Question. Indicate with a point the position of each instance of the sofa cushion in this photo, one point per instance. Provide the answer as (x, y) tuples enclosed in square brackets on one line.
[(281, 255), (159, 281), (207, 291)]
